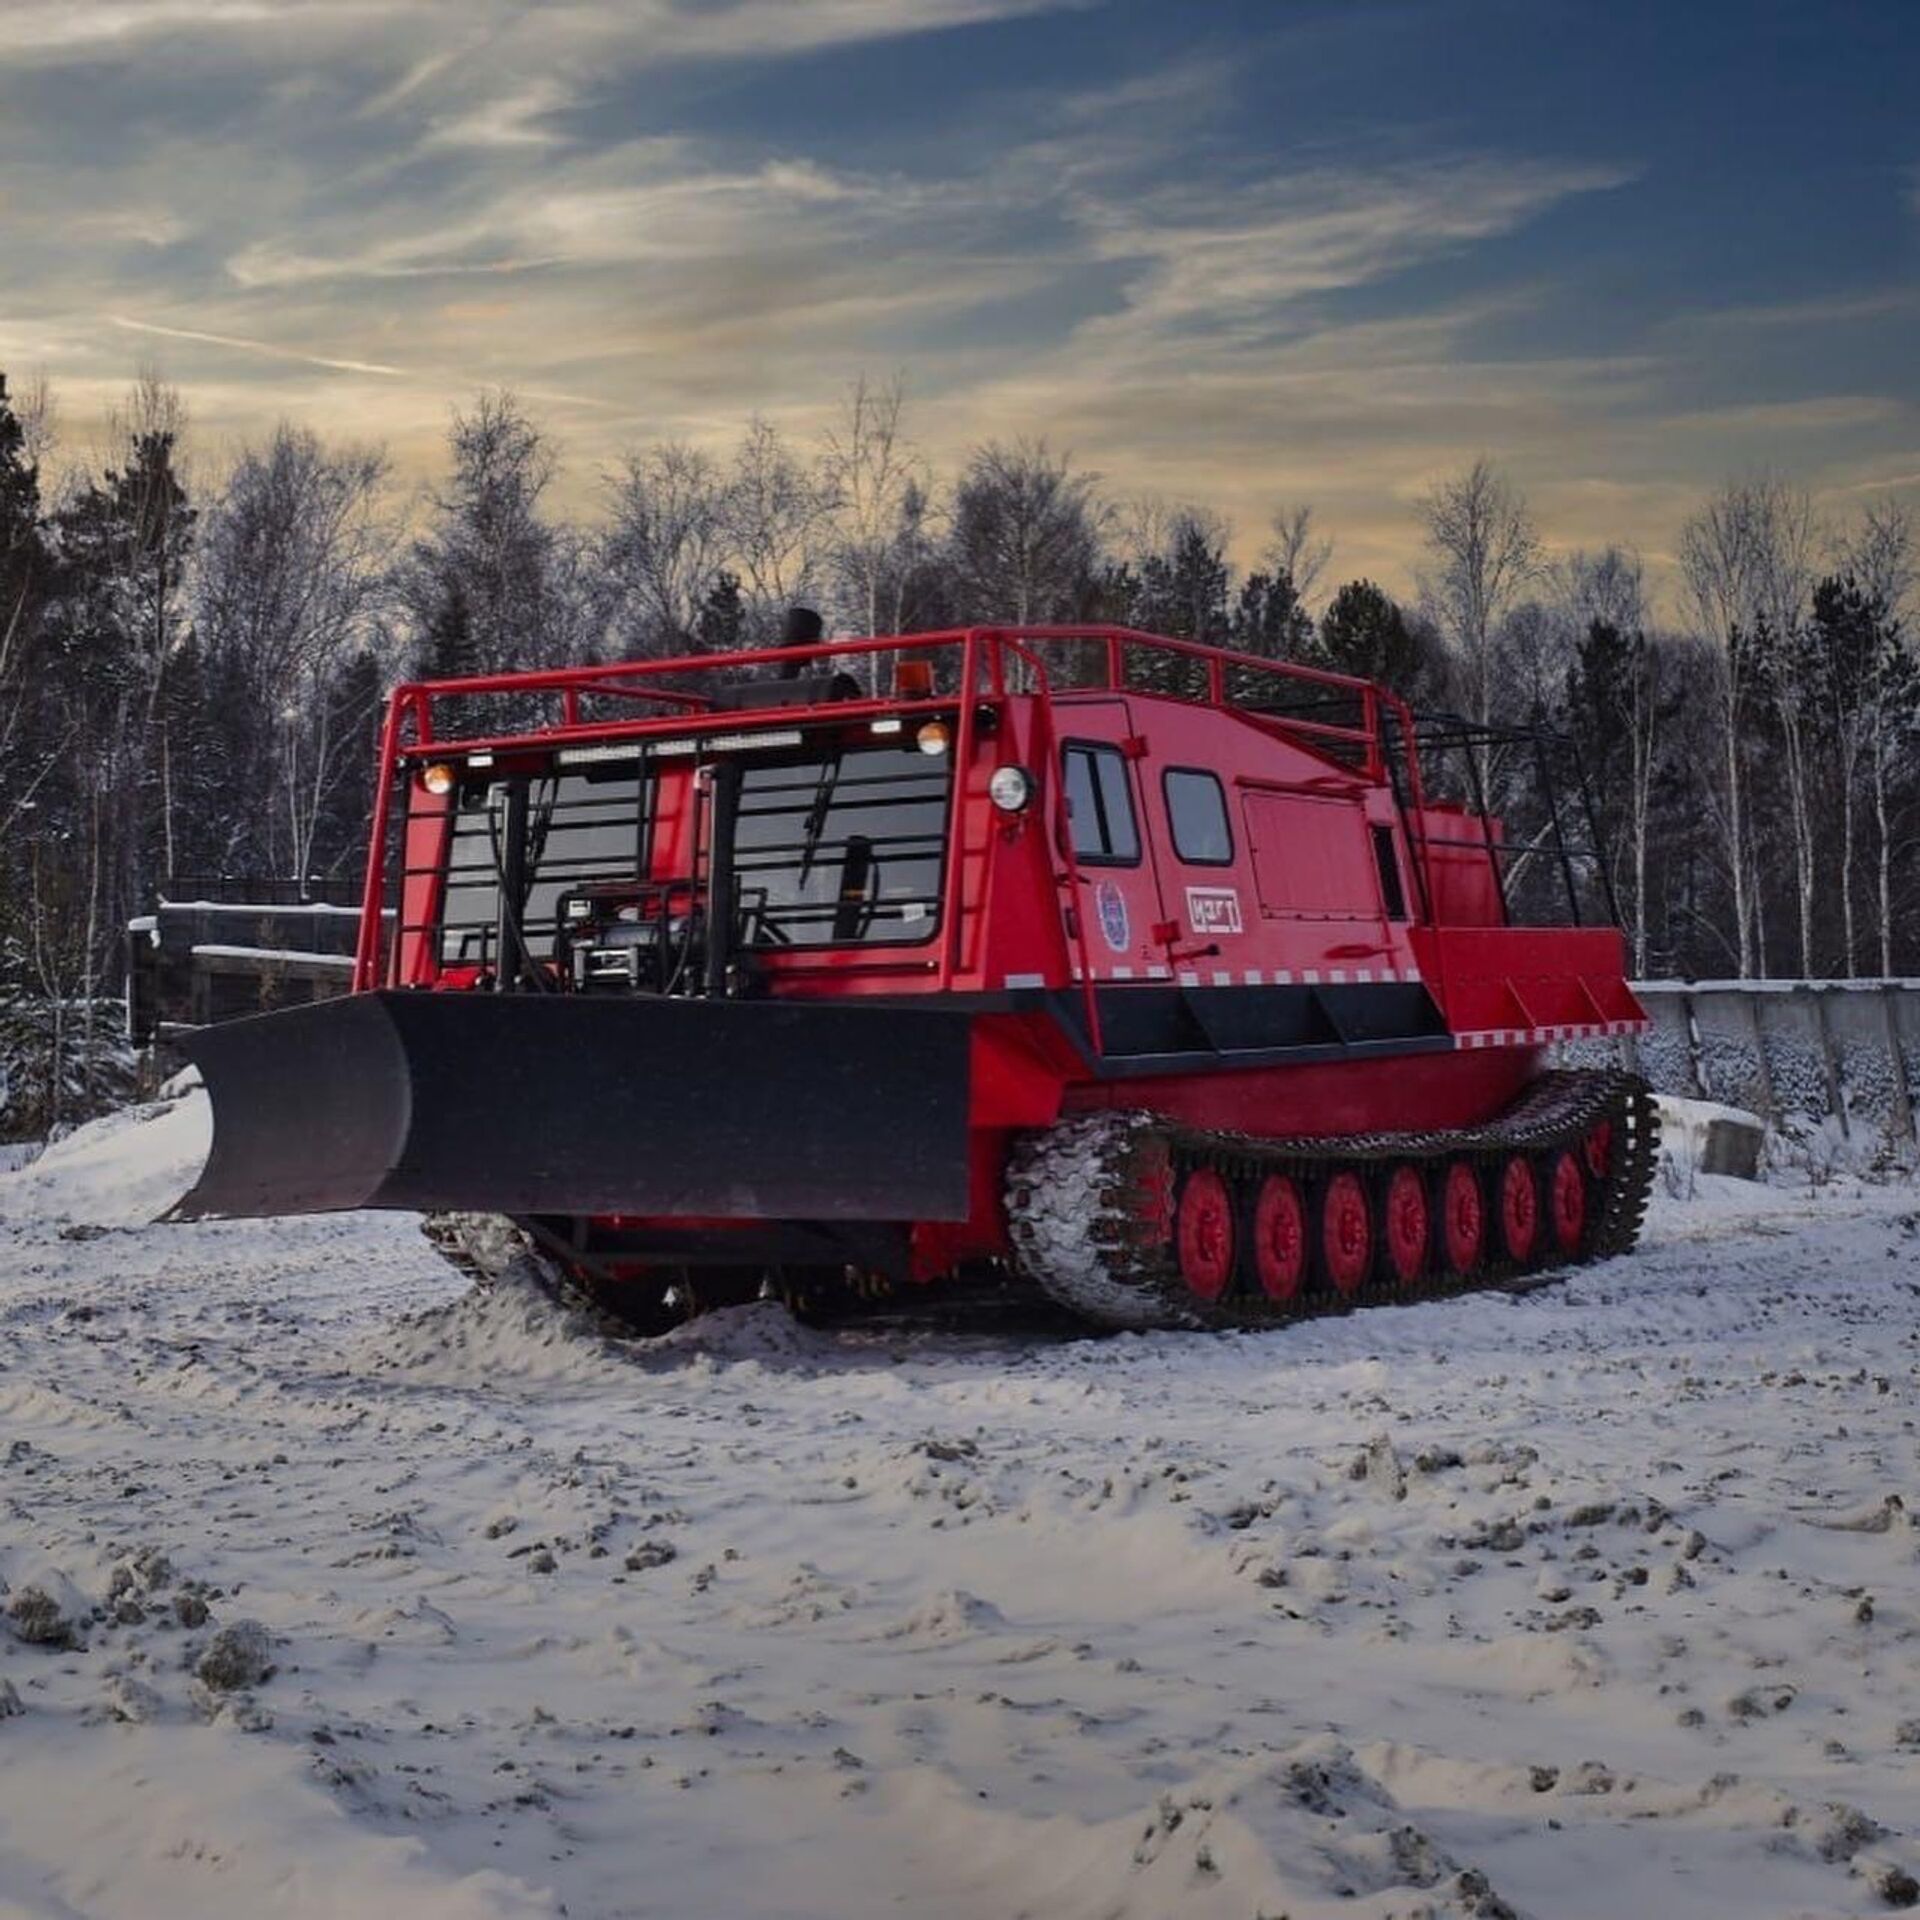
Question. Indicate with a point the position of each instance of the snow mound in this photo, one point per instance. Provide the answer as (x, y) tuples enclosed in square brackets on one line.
[(123, 1170), (949, 1615), (506, 1329), (762, 1331)]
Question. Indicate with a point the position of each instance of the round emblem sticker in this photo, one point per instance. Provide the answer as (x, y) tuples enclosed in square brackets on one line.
[(1112, 907)]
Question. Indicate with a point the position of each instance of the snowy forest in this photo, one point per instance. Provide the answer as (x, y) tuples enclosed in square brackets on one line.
[(195, 644)]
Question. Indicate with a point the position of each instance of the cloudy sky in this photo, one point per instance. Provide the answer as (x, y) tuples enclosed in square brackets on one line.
[(1240, 251)]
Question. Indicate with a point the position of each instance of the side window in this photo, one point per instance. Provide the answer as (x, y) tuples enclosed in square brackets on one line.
[(1100, 807), (1388, 860), (1197, 813)]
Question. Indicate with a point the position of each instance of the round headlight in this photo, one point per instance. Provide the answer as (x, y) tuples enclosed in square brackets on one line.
[(1010, 789), (932, 738), (438, 778)]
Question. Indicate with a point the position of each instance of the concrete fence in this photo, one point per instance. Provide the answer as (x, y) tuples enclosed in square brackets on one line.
[(1840, 1051)]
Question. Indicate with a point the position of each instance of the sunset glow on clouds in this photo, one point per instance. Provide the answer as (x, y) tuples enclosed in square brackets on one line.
[(1238, 251)]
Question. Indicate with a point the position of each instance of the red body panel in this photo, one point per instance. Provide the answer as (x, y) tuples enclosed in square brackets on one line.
[(1333, 878), (1334, 1099)]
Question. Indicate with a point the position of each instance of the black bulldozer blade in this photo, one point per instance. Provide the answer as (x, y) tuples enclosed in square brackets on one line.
[(569, 1104)]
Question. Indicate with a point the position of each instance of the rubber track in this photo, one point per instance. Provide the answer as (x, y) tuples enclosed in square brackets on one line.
[(1078, 1193)]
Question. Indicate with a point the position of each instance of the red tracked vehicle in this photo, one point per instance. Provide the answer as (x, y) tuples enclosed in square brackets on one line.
[(1186, 987)]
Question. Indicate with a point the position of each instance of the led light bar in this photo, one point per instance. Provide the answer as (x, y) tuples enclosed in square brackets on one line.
[(699, 743), (729, 742), (595, 756)]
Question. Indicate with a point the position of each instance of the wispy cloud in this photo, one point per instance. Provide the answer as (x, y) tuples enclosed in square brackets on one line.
[(1210, 277), (1209, 264), (509, 120), (420, 74), (647, 202), (265, 348), (53, 28), (656, 30), (762, 28)]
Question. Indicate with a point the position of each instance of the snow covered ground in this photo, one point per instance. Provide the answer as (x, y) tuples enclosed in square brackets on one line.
[(1596, 1602)]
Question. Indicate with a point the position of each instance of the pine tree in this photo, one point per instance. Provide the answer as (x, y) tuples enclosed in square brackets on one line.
[(1268, 618), (448, 650), (26, 748), (20, 544), (1183, 594), (23, 566), (721, 624), (114, 625), (355, 702), (1113, 596), (1364, 633)]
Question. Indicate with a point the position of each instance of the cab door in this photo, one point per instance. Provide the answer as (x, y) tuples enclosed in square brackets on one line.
[(1120, 902)]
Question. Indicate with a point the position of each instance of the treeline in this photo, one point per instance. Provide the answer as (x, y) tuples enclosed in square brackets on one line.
[(192, 659)]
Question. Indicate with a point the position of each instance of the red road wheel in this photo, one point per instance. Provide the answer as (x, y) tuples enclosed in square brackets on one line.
[(1519, 1209), (1409, 1225), (1597, 1149), (1566, 1202), (1346, 1233), (1280, 1237), (1463, 1218), (1203, 1234)]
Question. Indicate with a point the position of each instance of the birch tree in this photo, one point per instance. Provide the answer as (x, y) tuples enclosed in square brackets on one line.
[(869, 468), (1747, 560), (1483, 550), (665, 544), (775, 514), (1718, 568), (1861, 611), (1026, 533), (490, 550), (1297, 551), (294, 559)]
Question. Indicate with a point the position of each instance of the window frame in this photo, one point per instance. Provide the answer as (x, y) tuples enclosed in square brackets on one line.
[(1390, 870), (646, 794), (1093, 749), (1232, 854), (936, 920)]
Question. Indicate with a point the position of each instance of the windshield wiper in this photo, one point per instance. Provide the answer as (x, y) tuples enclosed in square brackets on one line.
[(817, 813)]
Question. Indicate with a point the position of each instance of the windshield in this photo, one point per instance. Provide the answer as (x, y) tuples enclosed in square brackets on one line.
[(581, 828), (840, 848), (844, 850)]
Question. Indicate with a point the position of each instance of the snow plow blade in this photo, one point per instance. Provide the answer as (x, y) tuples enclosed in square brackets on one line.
[(579, 1104)]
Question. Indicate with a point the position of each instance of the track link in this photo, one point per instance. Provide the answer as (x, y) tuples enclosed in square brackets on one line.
[(1088, 1201)]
